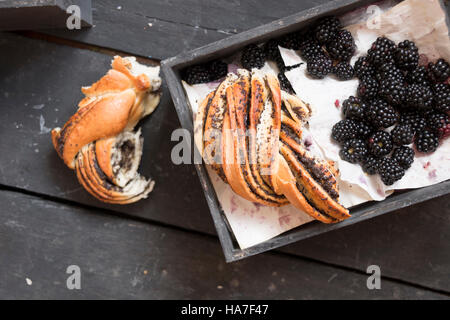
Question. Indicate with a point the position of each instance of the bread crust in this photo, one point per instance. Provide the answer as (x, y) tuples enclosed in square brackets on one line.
[(103, 152), (264, 156), (323, 172), (140, 82), (311, 190), (213, 127), (200, 119), (297, 109), (113, 82), (83, 127), (260, 152), (235, 154), (285, 183), (112, 105), (95, 181)]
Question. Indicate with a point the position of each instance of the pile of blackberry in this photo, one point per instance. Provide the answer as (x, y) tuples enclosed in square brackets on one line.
[(328, 48), (207, 72), (253, 57), (401, 108)]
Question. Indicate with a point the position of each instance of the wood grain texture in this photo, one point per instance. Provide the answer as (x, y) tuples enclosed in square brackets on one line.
[(161, 29), (40, 89), (25, 15), (411, 244), (32, 164), (122, 258), (368, 211)]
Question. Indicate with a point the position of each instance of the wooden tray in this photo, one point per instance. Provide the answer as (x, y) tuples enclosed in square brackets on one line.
[(171, 68)]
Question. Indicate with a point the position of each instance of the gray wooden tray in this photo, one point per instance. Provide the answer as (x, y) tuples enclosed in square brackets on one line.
[(171, 68)]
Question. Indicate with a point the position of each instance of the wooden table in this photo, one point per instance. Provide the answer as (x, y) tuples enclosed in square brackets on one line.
[(165, 246)]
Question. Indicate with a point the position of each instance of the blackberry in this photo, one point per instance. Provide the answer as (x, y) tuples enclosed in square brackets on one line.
[(252, 57), (426, 141), (402, 134), (343, 71), (407, 55), (380, 143), (345, 130), (381, 114), (439, 122), (368, 88), (420, 97), (285, 84), (388, 71), (290, 41), (439, 71), (370, 165), (327, 29), (442, 97), (364, 129), (418, 76), (218, 69), (353, 150), (415, 119), (271, 50), (319, 67), (381, 51), (404, 156), (363, 68), (197, 74), (354, 108), (343, 47), (310, 48), (394, 92), (390, 171), (391, 81)]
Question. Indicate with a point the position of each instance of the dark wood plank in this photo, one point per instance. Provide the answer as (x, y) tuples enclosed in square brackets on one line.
[(32, 164), (40, 88), (121, 258), (176, 26), (40, 14), (411, 244)]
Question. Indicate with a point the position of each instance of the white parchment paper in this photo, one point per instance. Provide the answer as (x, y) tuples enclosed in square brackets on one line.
[(253, 223)]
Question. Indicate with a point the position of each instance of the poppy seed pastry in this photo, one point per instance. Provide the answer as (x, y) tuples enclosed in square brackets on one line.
[(262, 150), (107, 169), (98, 141)]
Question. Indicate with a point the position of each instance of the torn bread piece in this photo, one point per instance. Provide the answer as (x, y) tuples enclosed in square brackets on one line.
[(109, 171), (119, 157), (117, 101), (105, 121)]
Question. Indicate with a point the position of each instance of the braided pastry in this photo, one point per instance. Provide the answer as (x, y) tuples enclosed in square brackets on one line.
[(98, 140), (252, 134)]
